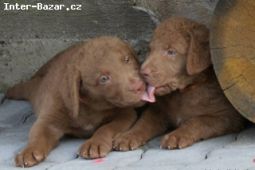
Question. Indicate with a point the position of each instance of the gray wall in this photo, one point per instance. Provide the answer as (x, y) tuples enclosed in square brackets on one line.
[(29, 38)]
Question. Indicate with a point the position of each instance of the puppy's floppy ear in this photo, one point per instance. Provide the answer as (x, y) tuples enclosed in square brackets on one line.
[(70, 90), (198, 56)]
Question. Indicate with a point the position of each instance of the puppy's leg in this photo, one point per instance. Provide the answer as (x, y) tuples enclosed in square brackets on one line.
[(100, 144), (199, 128), (150, 124), (43, 138)]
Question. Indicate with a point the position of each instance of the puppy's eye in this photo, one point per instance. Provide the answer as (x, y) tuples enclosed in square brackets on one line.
[(171, 52), (104, 79), (126, 59)]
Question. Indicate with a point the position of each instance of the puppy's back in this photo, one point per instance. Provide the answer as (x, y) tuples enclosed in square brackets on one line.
[(28, 89)]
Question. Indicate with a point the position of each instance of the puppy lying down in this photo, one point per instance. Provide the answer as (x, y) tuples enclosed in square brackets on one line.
[(192, 103), (87, 90)]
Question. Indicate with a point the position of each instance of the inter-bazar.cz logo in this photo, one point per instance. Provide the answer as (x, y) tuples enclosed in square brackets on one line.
[(40, 7)]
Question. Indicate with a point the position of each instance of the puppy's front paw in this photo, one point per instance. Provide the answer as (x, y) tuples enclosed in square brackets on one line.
[(176, 140), (93, 149), (128, 141), (30, 157)]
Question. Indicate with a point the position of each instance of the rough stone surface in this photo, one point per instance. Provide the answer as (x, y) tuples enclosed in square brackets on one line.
[(229, 152), (199, 10)]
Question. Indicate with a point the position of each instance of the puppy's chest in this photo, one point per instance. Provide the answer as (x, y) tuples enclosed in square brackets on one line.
[(88, 122), (182, 106)]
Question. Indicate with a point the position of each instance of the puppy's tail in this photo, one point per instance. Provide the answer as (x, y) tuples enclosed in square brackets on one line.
[(24, 90)]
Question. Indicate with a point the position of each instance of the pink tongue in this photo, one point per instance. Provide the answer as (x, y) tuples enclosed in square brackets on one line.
[(149, 94)]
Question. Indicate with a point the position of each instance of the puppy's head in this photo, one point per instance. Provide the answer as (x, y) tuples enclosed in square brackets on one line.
[(105, 74), (179, 50)]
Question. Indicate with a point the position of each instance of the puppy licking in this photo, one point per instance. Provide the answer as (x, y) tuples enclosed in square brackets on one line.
[(191, 102)]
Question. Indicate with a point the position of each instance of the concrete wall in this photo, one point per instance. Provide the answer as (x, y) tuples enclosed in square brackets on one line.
[(199, 10), (29, 38)]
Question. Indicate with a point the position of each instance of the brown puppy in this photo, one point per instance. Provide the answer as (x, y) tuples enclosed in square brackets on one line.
[(179, 63), (81, 92)]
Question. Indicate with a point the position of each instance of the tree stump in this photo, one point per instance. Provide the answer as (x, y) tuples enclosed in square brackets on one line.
[(233, 52)]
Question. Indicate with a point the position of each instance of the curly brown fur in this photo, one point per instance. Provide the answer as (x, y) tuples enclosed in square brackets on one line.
[(192, 102)]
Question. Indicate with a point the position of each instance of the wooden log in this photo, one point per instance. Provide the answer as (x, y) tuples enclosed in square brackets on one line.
[(233, 52)]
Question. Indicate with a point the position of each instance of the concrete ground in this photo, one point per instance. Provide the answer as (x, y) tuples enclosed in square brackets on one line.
[(230, 152)]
